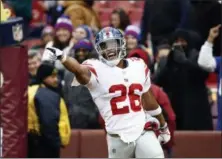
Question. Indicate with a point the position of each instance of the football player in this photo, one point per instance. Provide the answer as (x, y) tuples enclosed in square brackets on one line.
[(120, 89)]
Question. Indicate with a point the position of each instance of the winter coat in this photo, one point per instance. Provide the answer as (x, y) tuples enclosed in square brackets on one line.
[(80, 13), (184, 82)]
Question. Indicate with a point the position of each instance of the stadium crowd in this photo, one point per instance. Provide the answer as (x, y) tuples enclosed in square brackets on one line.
[(169, 38)]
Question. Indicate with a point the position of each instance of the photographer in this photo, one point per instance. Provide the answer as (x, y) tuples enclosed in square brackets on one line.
[(184, 82)]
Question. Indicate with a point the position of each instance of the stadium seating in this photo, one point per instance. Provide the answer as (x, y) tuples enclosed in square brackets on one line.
[(195, 144), (105, 8)]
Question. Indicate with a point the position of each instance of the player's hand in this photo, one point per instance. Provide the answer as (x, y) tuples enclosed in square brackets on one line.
[(52, 54), (214, 32), (152, 123), (164, 134)]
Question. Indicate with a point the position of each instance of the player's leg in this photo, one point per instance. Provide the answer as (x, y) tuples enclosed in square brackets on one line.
[(148, 146), (118, 149)]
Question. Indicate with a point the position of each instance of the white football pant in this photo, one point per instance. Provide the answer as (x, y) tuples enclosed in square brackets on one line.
[(146, 146)]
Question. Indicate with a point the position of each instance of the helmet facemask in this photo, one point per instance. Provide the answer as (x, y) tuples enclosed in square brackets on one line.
[(111, 51)]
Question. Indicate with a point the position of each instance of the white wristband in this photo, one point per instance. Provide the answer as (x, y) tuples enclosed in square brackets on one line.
[(155, 112), (164, 126)]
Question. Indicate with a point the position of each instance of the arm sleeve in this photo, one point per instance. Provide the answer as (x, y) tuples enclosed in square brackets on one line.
[(206, 59), (64, 125), (93, 82)]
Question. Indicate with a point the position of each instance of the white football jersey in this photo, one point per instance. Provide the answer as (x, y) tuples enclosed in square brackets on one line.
[(117, 93)]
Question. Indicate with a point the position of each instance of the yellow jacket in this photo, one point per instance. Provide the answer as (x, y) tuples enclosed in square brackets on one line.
[(37, 93)]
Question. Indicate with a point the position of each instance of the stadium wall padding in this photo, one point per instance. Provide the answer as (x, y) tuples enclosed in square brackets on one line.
[(188, 144), (13, 100)]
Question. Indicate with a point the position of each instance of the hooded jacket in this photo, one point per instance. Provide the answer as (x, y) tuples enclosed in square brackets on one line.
[(184, 82)]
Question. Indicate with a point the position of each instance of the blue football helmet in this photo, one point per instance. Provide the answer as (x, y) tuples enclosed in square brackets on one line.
[(110, 45)]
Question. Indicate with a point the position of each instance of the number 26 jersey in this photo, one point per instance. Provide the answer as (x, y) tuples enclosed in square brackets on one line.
[(117, 93)]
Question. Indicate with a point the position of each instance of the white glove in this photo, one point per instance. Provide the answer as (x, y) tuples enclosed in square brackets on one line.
[(52, 54), (164, 134), (151, 123)]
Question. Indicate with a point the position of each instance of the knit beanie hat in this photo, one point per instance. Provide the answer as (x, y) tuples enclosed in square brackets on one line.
[(64, 22), (83, 44), (88, 31), (45, 69), (133, 30)]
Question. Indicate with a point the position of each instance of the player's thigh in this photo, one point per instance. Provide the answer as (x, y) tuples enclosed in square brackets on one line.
[(148, 146), (118, 149)]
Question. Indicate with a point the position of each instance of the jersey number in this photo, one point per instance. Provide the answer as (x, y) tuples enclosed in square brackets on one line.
[(135, 106)]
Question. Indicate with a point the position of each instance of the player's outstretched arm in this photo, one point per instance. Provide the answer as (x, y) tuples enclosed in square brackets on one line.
[(81, 72)]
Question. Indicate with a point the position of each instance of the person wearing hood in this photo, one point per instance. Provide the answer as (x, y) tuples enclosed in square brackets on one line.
[(83, 112), (184, 82), (48, 122)]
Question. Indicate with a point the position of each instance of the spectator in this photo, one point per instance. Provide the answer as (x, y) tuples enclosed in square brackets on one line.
[(48, 122), (47, 36), (54, 12), (132, 37), (63, 34), (82, 32), (132, 42), (207, 14), (82, 110), (119, 19), (213, 64), (162, 18), (34, 61), (81, 12), (62, 39), (161, 58), (184, 82)]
